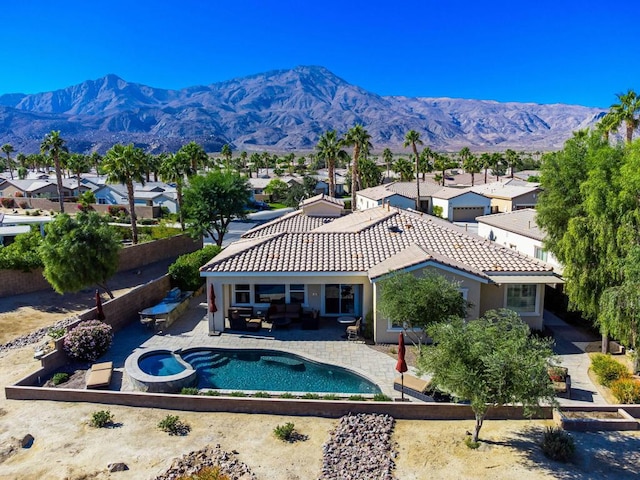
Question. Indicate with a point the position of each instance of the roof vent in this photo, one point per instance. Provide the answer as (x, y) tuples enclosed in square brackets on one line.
[(394, 229)]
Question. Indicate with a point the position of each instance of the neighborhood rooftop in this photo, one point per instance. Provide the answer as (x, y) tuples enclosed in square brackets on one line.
[(522, 222)]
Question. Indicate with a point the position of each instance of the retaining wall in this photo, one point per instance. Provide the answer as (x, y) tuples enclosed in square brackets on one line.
[(142, 211), (16, 282)]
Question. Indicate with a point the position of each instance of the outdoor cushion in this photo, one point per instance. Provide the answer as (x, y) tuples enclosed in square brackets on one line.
[(413, 383), (100, 375)]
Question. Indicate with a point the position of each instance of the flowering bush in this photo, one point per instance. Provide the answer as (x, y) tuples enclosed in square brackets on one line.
[(115, 210), (89, 340)]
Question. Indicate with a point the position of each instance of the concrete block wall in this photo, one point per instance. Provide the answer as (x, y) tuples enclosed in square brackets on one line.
[(142, 211)]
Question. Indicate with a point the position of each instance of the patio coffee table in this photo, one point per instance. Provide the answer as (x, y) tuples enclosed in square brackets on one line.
[(346, 320)]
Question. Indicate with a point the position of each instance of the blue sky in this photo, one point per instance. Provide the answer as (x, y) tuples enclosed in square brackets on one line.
[(562, 51)]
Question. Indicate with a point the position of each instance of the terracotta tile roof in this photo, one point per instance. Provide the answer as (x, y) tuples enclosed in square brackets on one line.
[(291, 222), (522, 222), (359, 243), (322, 197)]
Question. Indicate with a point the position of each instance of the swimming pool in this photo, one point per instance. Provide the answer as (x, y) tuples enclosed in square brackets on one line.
[(253, 370)]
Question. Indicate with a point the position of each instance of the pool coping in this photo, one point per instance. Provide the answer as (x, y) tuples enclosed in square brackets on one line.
[(156, 383)]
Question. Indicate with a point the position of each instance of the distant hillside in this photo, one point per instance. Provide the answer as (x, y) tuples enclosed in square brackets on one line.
[(278, 110)]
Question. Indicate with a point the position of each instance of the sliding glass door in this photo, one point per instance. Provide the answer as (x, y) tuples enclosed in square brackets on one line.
[(341, 299)]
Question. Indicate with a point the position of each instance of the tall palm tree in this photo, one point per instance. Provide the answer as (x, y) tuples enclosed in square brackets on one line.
[(196, 154), (78, 164), (470, 163), (485, 164), (513, 160), (125, 165), (497, 161), (8, 149), (329, 148), (174, 169), (387, 156), (426, 161), (413, 138), (226, 154), (626, 111), (358, 138), (404, 168), (54, 145), (441, 163), (606, 125)]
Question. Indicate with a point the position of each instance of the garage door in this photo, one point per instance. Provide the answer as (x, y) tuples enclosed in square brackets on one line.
[(467, 214)]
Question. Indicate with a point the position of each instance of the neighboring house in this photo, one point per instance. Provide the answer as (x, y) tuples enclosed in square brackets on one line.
[(509, 196), (156, 199), (33, 188), (152, 194), (334, 264), (377, 196), (460, 205), (13, 225), (518, 230)]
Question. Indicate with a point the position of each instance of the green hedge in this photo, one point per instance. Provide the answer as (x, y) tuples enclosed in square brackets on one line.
[(185, 271), (607, 369)]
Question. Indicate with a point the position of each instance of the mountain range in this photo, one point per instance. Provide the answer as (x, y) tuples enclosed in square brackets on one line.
[(281, 110)]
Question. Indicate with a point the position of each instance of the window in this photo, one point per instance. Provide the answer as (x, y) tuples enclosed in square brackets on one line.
[(540, 254), (522, 298), (243, 294), (296, 293), (269, 294)]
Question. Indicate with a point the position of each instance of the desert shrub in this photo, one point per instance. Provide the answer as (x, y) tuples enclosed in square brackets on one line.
[(557, 444), (89, 340), (206, 473), (468, 441), (381, 397), (189, 391), (173, 425), (237, 394), (287, 395), (23, 253), (59, 378), (367, 326), (147, 221), (116, 210), (24, 205), (626, 390), (284, 432), (185, 271), (311, 396), (56, 332), (212, 393), (437, 211), (357, 398), (7, 202), (261, 395), (607, 369), (101, 419), (557, 374)]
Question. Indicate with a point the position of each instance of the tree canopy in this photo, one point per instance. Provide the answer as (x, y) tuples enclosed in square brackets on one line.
[(212, 201), (79, 252), (490, 361), (419, 301)]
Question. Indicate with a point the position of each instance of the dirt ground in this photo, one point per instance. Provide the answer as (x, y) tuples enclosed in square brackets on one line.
[(66, 447)]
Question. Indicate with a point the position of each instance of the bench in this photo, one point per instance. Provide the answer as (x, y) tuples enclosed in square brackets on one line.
[(414, 387), (100, 375)]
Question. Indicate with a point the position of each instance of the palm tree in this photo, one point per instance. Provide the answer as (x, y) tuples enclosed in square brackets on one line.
[(426, 161), (626, 111), (196, 155), (387, 156), (606, 125), (404, 168), (255, 161), (125, 165), (513, 160), (497, 162), (470, 163), (78, 164), (8, 149), (358, 138), (96, 159), (441, 163), (329, 148), (174, 169), (485, 162), (226, 154), (53, 144), (413, 138)]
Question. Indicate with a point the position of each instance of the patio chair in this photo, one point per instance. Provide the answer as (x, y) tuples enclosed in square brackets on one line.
[(353, 331)]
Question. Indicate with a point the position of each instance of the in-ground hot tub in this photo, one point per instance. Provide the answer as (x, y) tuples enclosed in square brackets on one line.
[(159, 371)]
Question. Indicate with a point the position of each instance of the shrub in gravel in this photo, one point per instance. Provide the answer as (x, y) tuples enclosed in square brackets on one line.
[(101, 419), (59, 378), (284, 432), (88, 341), (557, 444), (173, 425)]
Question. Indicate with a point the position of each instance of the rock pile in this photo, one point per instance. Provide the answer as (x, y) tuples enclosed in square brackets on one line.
[(360, 449), (208, 457), (35, 336)]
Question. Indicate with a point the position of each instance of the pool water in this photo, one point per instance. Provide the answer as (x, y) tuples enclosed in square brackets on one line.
[(161, 364), (267, 370)]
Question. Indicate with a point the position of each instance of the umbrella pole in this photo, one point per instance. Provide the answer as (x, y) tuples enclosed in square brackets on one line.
[(402, 381)]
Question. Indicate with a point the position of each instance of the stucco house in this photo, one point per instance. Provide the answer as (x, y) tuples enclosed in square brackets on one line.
[(460, 204), (333, 262), (377, 196), (518, 230), (509, 195)]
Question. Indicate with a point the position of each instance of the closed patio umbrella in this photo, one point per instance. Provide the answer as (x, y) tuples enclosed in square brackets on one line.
[(99, 312), (212, 300), (401, 365)]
